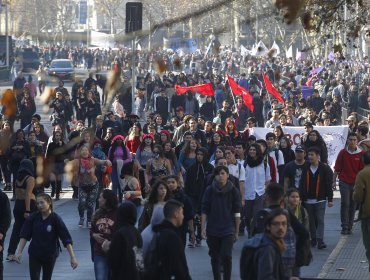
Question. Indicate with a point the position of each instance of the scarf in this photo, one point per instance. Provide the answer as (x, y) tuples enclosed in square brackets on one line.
[(253, 162)]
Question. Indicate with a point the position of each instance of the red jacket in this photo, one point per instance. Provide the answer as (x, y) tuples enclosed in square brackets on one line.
[(348, 165)]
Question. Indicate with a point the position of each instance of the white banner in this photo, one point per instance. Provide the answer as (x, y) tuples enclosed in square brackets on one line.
[(335, 137)]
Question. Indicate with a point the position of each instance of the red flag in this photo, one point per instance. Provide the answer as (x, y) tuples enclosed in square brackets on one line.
[(205, 89), (271, 89), (239, 90)]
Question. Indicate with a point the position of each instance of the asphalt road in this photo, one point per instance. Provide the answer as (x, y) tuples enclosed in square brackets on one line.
[(198, 259)]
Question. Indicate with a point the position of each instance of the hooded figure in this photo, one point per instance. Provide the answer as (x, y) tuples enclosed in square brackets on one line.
[(26, 168), (196, 178), (126, 246), (148, 233)]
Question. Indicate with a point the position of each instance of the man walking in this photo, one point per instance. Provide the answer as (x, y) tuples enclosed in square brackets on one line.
[(268, 249), (293, 169), (361, 195), (170, 249), (220, 221), (347, 166), (316, 189)]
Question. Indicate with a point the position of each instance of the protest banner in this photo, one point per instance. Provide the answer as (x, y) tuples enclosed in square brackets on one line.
[(335, 137)]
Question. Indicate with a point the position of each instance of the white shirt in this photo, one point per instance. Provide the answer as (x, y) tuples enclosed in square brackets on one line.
[(281, 161), (238, 171), (255, 180)]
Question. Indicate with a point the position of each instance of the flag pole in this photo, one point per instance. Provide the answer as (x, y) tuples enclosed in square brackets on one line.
[(232, 93), (268, 94)]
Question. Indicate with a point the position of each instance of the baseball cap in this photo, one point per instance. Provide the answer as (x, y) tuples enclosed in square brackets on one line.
[(300, 148), (351, 118)]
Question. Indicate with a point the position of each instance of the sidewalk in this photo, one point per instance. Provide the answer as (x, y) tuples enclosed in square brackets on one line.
[(348, 259)]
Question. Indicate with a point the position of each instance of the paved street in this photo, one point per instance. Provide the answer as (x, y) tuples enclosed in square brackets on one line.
[(198, 259)]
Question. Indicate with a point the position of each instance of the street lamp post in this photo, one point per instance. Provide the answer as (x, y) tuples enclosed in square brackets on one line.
[(7, 34)]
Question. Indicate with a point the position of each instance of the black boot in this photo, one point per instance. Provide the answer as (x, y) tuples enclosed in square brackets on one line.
[(320, 244), (58, 188), (75, 192), (53, 188)]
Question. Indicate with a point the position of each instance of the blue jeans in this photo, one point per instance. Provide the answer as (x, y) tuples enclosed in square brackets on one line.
[(316, 213), (347, 205), (101, 268)]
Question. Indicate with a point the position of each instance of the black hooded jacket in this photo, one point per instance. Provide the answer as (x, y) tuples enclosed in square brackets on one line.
[(125, 242), (171, 252)]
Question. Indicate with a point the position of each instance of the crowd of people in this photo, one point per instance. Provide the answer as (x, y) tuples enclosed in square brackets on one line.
[(176, 169)]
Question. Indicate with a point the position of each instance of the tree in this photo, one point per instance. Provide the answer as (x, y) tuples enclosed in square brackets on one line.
[(111, 9)]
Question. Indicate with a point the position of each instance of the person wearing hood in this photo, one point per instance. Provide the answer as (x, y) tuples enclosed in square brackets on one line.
[(220, 221), (125, 246), (25, 203), (170, 249), (347, 165), (195, 185), (148, 233)]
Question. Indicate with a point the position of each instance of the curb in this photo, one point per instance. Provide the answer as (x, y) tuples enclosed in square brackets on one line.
[(334, 255)]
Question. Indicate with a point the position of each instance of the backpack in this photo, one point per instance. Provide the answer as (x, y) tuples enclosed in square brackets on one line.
[(152, 260), (289, 255), (247, 268)]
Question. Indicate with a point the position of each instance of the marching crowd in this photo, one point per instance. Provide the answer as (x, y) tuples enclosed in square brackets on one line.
[(191, 171)]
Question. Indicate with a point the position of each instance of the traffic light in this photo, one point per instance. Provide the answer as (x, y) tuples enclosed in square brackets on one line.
[(134, 16)]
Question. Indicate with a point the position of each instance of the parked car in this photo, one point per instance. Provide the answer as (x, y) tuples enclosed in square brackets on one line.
[(30, 60), (62, 69)]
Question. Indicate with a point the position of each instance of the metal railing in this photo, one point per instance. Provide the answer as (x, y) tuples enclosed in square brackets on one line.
[(362, 114)]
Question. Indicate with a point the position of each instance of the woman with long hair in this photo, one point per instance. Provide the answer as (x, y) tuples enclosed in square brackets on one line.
[(145, 150), (187, 155), (103, 225), (84, 177), (134, 138), (118, 154), (314, 139), (218, 139), (169, 153), (164, 137), (41, 135), (157, 167), (130, 185), (25, 203), (158, 196), (286, 148), (44, 247), (56, 155), (219, 153), (279, 133), (257, 175), (232, 131)]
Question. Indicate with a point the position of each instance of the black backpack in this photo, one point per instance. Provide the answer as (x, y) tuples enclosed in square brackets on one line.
[(247, 269), (152, 260)]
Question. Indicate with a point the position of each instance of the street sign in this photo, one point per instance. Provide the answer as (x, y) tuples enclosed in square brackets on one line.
[(83, 11), (134, 16)]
